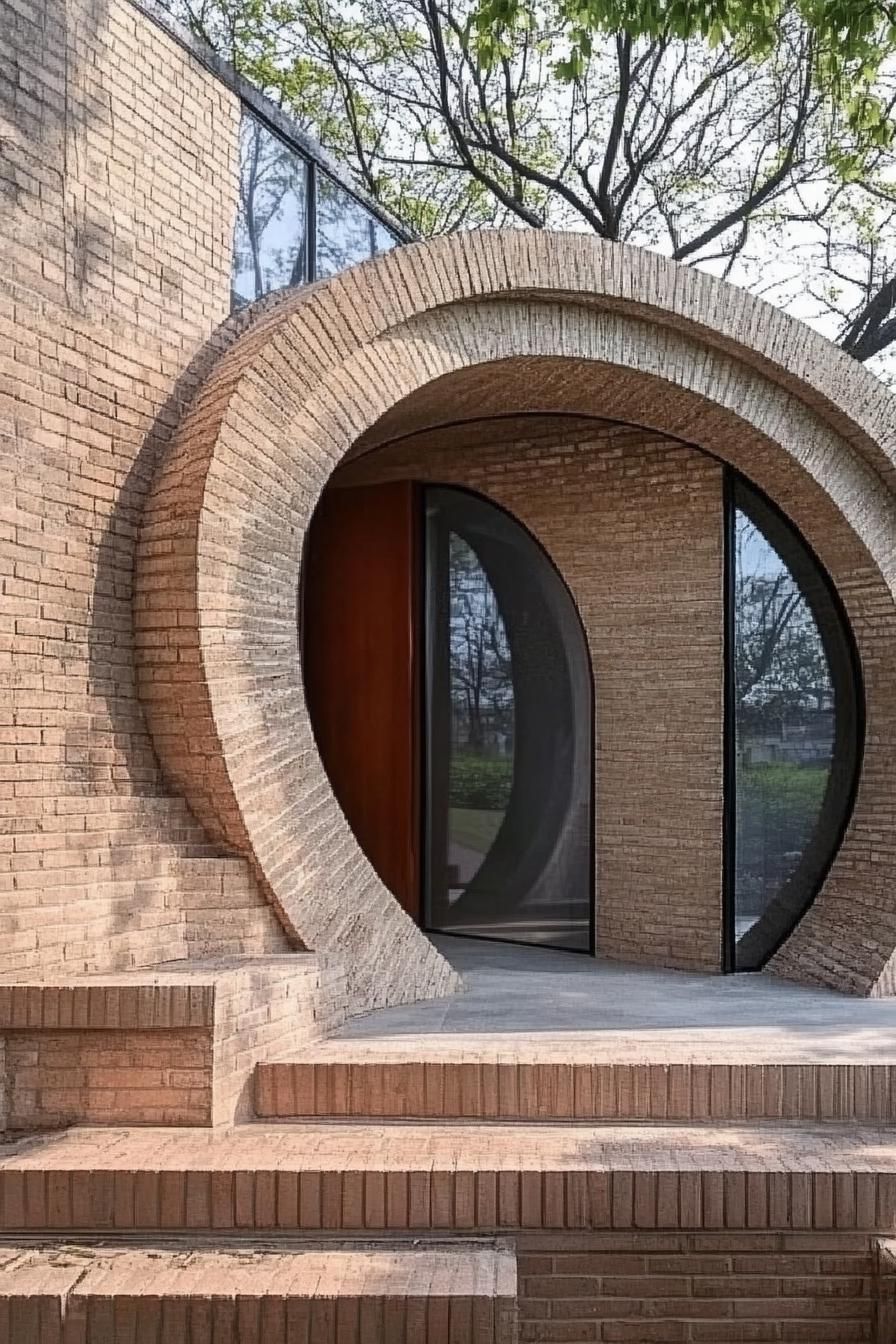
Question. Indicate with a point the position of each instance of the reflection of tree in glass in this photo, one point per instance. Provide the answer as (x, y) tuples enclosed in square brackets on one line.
[(784, 721), (346, 233), (269, 240), (781, 670), (481, 681)]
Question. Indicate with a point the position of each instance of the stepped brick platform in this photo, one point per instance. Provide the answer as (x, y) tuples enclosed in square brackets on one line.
[(639, 1233), (470, 1177), (173, 1045), (673, 1160), (251, 1292), (544, 1035)]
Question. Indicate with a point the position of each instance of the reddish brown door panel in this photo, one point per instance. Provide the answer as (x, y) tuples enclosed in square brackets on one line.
[(359, 642)]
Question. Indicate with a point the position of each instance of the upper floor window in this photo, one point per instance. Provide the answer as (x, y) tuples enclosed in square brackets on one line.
[(346, 232), (276, 240), (270, 239)]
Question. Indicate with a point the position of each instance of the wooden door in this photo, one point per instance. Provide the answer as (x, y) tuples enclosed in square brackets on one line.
[(360, 664)]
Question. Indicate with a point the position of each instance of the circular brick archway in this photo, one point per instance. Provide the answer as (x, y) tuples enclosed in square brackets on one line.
[(495, 321)]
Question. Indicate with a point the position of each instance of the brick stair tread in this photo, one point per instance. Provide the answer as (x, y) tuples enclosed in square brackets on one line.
[(469, 1146), (473, 1178), (532, 1083), (350, 1177), (257, 1269), (390, 1293), (171, 994)]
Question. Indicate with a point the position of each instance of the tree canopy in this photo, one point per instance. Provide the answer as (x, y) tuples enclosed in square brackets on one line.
[(753, 138)]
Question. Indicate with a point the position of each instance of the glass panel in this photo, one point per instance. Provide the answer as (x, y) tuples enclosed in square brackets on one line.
[(509, 747), (269, 238), (346, 233), (481, 693), (796, 738)]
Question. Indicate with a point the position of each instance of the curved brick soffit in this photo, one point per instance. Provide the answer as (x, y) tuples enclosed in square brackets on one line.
[(221, 547)]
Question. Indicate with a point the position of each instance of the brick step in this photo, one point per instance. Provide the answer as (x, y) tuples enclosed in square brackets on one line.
[(327, 1082), (373, 1293), (167, 1045), (484, 1178)]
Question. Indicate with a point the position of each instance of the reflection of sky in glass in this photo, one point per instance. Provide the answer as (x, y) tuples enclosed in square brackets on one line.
[(269, 246), (346, 233), (269, 240), (764, 588), (756, 557)]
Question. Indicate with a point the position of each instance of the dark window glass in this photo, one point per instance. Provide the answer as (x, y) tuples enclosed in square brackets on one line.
[(346, 233), (508, 737), (269, 246), (796, 726)]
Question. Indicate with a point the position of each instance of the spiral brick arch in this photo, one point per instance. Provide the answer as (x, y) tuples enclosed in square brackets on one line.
[(485, 323)]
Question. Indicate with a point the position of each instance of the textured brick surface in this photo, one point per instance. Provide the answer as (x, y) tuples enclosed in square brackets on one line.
[(122, 164), (339, 1294), (532, 1088), (472, 1177), (884, 1251), (165, 1047), (119, 181), (697, 1289)]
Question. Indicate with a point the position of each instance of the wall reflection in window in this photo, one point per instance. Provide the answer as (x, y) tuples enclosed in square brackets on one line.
[(269, 248)]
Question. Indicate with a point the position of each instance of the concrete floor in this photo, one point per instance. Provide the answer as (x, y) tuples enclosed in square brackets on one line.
[(531, 1001)]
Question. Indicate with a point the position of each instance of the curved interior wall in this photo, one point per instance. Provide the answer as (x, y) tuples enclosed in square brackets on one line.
[(491, 321)]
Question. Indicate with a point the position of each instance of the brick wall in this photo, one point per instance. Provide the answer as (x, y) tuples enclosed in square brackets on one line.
[(116, 211), (97, 1077), (176, 1045), (118, 184), (702, 1288), (634, 524)]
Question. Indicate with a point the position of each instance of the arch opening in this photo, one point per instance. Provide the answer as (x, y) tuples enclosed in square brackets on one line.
[(488, 867), (482, 323)]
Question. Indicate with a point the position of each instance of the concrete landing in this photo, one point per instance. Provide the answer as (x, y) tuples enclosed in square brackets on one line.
[(543, 1035), (562, 1005)]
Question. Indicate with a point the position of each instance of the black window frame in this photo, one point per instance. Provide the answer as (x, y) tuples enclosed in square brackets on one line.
[(850, 726), (315, 169)]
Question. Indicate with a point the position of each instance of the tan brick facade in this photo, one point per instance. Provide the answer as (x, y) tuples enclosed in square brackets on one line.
[(184, 912), (362, 363), (119, 168), (122, 165), (697, 1289)]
